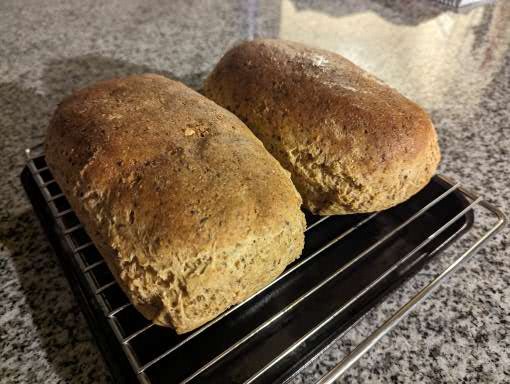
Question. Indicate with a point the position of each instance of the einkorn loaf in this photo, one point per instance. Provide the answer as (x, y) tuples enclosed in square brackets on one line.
[(190, 211), (351, 143)]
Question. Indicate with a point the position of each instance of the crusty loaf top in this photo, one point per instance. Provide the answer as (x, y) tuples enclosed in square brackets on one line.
[(166, 170), (350, 114)]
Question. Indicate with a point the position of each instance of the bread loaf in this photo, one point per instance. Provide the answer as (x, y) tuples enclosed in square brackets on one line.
[(351, 143), (190, 211)]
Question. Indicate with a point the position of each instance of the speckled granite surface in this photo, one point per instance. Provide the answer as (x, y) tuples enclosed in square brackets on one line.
[(455, 65)]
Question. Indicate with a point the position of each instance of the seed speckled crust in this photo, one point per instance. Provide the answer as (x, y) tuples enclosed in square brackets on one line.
[(351, 143), (190, 211)]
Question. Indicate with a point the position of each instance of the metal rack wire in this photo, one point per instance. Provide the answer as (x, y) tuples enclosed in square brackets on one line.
[(102, 283)]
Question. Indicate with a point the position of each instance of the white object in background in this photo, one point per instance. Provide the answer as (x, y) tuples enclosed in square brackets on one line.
[(465, 3)]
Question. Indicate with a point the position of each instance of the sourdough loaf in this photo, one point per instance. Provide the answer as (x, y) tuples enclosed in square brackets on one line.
[(351, 143), (190, 211)]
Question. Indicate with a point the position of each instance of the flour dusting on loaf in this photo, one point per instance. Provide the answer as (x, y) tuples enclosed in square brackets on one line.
[(190, 211), (352, 143)]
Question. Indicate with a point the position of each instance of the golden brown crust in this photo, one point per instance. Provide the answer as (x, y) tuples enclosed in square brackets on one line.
[(351, 143), (190, 211)]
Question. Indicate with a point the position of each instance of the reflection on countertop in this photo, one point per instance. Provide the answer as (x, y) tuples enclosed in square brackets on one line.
[(436, 55), (456, 64)]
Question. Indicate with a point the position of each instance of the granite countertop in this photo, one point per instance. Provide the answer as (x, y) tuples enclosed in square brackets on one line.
[(457, 65)]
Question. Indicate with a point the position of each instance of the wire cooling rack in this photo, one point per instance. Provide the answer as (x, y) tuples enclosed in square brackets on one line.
[(349, 264)]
